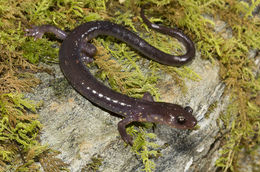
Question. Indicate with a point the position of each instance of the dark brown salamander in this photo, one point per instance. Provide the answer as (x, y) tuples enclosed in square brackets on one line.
[(75, 50)]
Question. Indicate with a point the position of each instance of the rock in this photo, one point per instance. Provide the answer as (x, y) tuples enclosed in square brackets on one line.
[(81, 130)]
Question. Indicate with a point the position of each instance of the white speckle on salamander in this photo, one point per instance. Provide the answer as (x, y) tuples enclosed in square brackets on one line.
[(123, 104), (172, 118), (141, 44), (35, 33), (87, 32), (82, 83), (115, 101), (139, 107), (155, 26), (107, 98)]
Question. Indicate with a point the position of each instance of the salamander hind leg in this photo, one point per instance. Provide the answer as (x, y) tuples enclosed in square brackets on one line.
[(122, 129), (88, 50), (86, 59), (148, 97)]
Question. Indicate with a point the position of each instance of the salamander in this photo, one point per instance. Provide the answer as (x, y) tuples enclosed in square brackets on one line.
[(76, 50)]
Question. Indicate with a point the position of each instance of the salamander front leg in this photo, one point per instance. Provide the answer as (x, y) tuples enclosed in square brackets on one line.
[(122, 129)]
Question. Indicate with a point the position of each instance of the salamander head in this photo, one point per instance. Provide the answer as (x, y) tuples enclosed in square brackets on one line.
[(179, 117), (175, 116)]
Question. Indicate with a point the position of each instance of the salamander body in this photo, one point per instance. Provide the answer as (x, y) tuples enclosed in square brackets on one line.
[(76, 50)]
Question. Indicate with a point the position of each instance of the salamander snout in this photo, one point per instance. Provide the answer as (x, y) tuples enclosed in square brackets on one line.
[(183, 122)]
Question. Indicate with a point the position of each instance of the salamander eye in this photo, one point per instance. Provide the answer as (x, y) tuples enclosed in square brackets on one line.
[(188, 109), (181, 119)]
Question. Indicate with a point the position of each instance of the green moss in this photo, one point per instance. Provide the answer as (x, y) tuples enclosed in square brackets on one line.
[(123, 67), (19, 129), (96, 162), (145, 149), (236, 69), (50, 162), (40, 51), (211, 108)]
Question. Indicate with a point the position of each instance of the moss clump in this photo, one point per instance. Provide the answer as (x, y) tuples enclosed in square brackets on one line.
[(211, 108), (50, 162), (189, 15), (242, 117), (96, 162), (18, 132), (19, 141), (145, 149), (236, 69)]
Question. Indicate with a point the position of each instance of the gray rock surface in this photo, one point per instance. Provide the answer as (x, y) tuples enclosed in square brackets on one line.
[(81, 130)]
